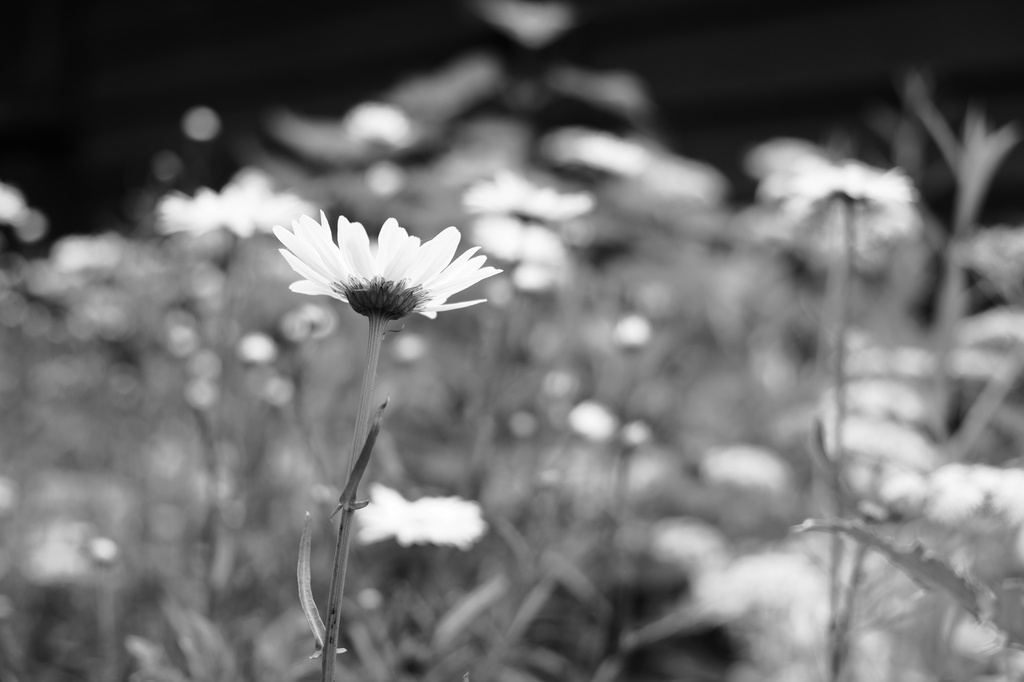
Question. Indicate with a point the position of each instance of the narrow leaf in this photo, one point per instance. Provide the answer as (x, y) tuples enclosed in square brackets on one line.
[(467, 609), (348, 495), (316, 625), (923, 566)]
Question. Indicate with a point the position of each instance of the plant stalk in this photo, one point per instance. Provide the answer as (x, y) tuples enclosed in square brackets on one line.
[(377, 325)]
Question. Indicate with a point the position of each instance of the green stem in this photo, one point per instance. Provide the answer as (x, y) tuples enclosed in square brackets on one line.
[(341, 551)]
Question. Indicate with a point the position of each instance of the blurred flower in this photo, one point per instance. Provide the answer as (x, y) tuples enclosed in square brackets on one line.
[(635, 434), (997, 254), (903, 492), (882, 441), (746, 466), (201, 123), (409, 347), (632, 331), (512, 195), (30, 225), (597, 150), (245, 205), (880, 398), (513, 240), (695, 545), (12, 204), (673, 179), (308, 321), (773, 581), (385, 178), (403, 277), (88, 254), (103, 551), (779, 156), (256, 348), (960, 493), (539, 254), (593, 421), (56, 552), (807, 193), (533, 24), (427, 521), (378, 123)]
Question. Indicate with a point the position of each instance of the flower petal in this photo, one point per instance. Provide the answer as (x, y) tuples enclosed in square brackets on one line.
[(318, 236), (434, 256), (303, 269), (390, 241), (353, 241), (304, 251), (452, 306)]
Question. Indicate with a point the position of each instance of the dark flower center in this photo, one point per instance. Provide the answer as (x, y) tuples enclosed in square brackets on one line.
[(378, 296)]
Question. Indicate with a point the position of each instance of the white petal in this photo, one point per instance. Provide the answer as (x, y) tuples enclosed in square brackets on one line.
[(454, 269), (318, 236), (434, 256), (389, 243), (354, 242), (314, 289), (403, 260), (303, 269), (304, 251), (463, 282), (452, 306)]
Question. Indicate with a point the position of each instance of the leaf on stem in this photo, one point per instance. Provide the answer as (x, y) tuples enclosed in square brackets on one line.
[(348, 495), (923, 566), (316, 624)]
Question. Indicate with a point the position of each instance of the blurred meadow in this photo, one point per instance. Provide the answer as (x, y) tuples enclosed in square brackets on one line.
[(693, 434)]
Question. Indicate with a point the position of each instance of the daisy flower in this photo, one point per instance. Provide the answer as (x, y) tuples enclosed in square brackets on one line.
[(402, 277), (513, 195), (427, 521)]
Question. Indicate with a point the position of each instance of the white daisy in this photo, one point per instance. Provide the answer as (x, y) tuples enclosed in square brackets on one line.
[(426, 521), (511, 194), (401, 277), (245, 205)]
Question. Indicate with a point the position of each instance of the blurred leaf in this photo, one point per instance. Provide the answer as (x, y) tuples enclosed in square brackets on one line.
[(982, 152), (620, 92), (450, 90), (467, 609), (922, 565), (207, 656), (1006, 610), (531, 607)]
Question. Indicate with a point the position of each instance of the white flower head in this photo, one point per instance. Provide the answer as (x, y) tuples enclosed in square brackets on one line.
[(513, 195), (598, 150), (593, 421), (379, 123), (403, 276), (427, 521), (247, 204), (810, 188), (747, 467)]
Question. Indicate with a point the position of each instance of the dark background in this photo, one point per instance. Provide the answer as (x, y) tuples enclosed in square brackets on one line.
[(92, 90)]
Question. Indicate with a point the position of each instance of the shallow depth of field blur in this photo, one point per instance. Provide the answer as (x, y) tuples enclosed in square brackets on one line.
[(644, 409)]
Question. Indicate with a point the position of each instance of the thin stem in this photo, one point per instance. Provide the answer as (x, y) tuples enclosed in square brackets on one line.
[(362, 428), (843, 273)]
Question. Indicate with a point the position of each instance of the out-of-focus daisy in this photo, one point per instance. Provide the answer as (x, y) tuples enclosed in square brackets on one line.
[(597, 150), (632, 331), (746, 466), (539, 255), (12, 204), (593, 421), (882, 399), (513, 195), (256, 348), (808, 193), (532, 24), (427, 521), (402, 277), (378, 123), (308, 321), (779, 156), (961, 493), (247, 204)]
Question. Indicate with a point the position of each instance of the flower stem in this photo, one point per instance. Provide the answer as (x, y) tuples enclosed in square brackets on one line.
[(843, 273), (362, 428)]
